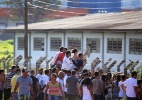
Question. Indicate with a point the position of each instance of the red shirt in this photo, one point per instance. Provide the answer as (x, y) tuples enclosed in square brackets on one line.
[(60, 57)]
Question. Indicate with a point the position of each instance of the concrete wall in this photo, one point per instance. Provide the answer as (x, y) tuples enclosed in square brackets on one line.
[(103, 55)]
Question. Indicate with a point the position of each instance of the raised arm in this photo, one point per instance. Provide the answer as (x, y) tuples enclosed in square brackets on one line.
[(88, 49)]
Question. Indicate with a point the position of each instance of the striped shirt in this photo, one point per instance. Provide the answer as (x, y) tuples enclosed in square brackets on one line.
[(9, 77), (54, 89)]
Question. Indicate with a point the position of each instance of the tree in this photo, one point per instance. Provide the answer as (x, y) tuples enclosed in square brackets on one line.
[(37, 9)]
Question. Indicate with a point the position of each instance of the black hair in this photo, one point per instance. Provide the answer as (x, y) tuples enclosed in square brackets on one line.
[(46, 72), (74, 50), (68, 71), (18, 70), (85, 74), (65, 71), (80, 54), (104, 78), (76, 69), (86, 82), (1, 71), (133, 73), (85, 70), (53, 70), (13, 67), (32, 71), (61, 49), (118, 79), (68, 52), (123, 77), (73, 72), (139, 82), (109, 74), (96, 74), (54, 74), (17, 66)]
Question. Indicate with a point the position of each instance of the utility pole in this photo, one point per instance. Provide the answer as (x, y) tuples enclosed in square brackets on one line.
[(26, 31)]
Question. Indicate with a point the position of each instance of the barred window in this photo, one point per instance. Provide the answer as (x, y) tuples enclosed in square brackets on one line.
[(20, 43), (74, 43), (94, 44), (38, 44), (114, 45), (135, 46), (55, 43)]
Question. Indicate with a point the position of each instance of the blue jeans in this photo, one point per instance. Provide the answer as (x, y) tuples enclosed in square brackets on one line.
[(53, 97), (14, 97)]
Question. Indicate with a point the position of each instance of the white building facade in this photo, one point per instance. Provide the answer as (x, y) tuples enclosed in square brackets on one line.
[(117, 36)]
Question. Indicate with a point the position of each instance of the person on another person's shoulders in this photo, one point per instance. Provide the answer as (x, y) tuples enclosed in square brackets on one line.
[(66, 61), (61, 56)]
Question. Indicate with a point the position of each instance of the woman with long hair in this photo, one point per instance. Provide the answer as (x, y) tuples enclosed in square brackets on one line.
[(115, 89), (86, 88), (122, 90), (74, 58), (54, 89), (109, 82)]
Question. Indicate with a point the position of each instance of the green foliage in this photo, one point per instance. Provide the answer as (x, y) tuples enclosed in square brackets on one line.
[(6, 48), (139, 70), (9, 41)]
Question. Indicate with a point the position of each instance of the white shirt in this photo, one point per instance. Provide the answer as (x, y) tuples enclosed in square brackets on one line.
[(43, 81), (61, 83), (38, 76), (65, 78), (66, 63), (130, 83), (121, 92)]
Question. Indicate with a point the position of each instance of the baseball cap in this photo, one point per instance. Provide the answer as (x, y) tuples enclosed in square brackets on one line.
[(25, 69)]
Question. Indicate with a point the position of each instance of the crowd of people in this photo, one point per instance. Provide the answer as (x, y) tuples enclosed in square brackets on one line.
[(68, 80)]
